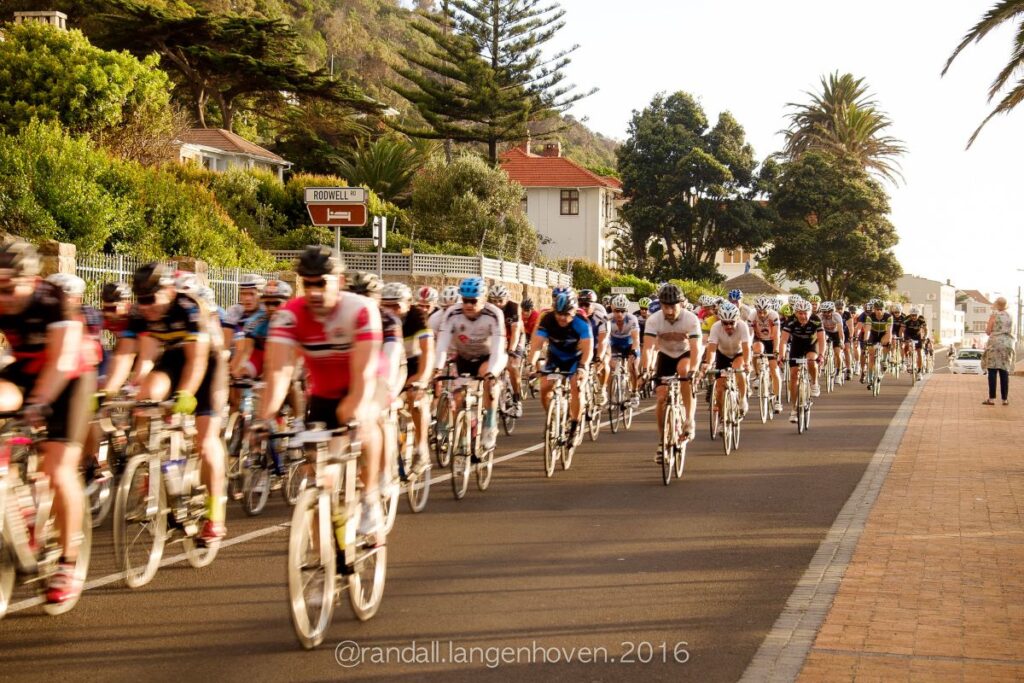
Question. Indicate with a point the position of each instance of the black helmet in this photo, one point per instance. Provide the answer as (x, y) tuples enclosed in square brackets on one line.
[(527, 304), (19, 256), (319, 260), (670, 294), (114, 292), (151, 278), (361, 282), (587, 296)]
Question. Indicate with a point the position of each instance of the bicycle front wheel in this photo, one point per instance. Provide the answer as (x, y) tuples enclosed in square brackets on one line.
[(485, 469), (443, 425), (615, 403), (552, 436), (366, 582), (81, 569), (312, 568), (668, 446), (728, 416), (461, 450), (508, 418), (140, 522)]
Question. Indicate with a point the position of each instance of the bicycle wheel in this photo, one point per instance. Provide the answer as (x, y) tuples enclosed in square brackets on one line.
[(461, 450), (312, 569), (763, 401), (237, 451), (7, 576), (736, 429), (256, 479), (366, 582), (627, 413), (668, 446), (295, 480), (807, 417), (713, 420), (197, 553), (552, 436), (81, 563), (800, 419), (506, 409), (100, 492), (140, 522), (418, 489), (443, 431), (679, 454), (484, 469), (389, 496), (615, 403), (728, 410)]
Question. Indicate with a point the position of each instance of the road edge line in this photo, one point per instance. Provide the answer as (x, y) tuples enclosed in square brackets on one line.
[(784, 650)]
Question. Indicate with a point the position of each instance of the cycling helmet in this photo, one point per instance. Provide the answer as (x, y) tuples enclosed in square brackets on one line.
[(728, 313), (251, 281), (426, 295), (719, 301), (606, 300), (396, 291), (840, 304), (705, 300), (763, 303), (566, 301), (498, 292), (21, 257), (804, 306), (785, 310), (914, 310), (620, 303), (277, 290), (688, 306), (72, 285), (736, 295), (115, 292), (644, 303), (472, 288), (186, 281), (527, 304), (150, 278), (450, 295), (897, 308), (670, 294), (587, 296), (876, 304), (793, 298), (814, 299), (317, 260), (364, 283), (827, 307), (559, 290)]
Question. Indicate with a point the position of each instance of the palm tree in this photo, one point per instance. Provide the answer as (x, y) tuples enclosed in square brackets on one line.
[(387, 165), (1001, 13), (844, 120)]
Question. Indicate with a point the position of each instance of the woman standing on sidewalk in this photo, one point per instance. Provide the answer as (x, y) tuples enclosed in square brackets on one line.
[(998, 357)]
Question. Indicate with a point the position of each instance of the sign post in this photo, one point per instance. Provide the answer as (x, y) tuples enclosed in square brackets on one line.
[(622, 290), (336, 207), (380, 240)]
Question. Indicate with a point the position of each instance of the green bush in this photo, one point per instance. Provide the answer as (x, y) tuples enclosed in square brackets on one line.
[(588, 275), (694, 288)]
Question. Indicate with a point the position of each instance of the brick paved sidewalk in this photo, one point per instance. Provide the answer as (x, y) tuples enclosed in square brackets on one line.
[(935, 590)]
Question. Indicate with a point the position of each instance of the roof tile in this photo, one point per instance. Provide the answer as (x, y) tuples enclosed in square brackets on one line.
[(531, 170), (219, 138)]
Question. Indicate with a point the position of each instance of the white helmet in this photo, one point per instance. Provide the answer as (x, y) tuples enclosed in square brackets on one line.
[(706, 300), (620, 303), (396, 291), (450, 296), (827, 307), (498, 292), (186, 281), (728, 312), (763, 303), (897, 308), (802, 305), (794, 298), (252, 281), (426, 295), (915, 310), (72, 285)]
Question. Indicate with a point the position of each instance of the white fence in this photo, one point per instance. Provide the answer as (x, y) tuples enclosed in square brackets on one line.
[(446, 266)]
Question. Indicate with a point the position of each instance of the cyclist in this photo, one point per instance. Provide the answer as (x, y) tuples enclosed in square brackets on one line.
[(570, 341), (625, 342), (51, 381), (766, 329), (339, 335), (530, 317), (877, 329), (475, 332), (419, 357), (91, 319), (914, 331), (674, 334), (729, 344), (849, 315), (426, 301), (832, 323), (808, 341), (706, 315), (606, 301), (597, 315), (515, 347), (736, 299), (642, 313), (449, 297), (815, 303), (248, 360)]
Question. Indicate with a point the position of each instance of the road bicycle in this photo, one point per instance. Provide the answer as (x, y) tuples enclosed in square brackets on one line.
[(803, 396), (326, 554), (443, 422), (400, 438), (765, 395), (829, 368), (673, 435), (558, 447), (590, 395), (466, 450), (30, 545), (874, 380), (236, 444), (728, 416), (160, 496), (507, 405), (620, 397), (103, 472), (895, 358)]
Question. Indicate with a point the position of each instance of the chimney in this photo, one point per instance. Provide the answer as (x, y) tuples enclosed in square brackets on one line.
[(51, 17), (525, 144), (552, 149)]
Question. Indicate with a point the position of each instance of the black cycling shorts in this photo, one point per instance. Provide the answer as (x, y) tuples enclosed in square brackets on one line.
[(874, 338), (469, 366), (833, 339), (412, 366), (667, 366), (800, 349), (555, 365), (70, 413), (768, 344), (723, 362), (212, 391)]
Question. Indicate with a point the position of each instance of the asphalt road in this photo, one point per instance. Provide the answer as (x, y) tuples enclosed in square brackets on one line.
[(599, 574)]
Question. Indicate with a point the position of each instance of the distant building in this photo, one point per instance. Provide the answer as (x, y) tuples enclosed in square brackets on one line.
[(938, 305), (977, 308), (752, 286), (51, 17), (573, 209), (219, 150)]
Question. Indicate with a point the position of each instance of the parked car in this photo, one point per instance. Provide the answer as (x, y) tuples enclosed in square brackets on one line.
[(967, 362)]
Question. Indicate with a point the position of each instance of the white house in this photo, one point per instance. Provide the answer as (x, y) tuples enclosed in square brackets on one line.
[(573, 209), (977, 308), (51, 17), (938, 303), (220, 150)]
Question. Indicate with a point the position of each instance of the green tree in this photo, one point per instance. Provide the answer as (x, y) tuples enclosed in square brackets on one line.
[(844, 120), (53, 75), (484, 78), (691, 189), (386, 165), (1002, 13), (474, 204), (833, 227)]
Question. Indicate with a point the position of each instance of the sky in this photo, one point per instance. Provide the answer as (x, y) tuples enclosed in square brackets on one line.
[(957, 213)]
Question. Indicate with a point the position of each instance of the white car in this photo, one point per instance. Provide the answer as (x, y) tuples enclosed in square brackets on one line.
[(967, 362)]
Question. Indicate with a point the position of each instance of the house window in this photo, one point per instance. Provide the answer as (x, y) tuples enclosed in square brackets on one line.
[(525, 203), (570, 203)]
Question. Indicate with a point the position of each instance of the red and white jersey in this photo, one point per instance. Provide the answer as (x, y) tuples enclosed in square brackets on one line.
[(764, 327), (326, 343)]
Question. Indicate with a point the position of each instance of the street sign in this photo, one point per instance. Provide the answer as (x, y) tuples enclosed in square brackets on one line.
[(622, 290), (335, 195), (337, 215)]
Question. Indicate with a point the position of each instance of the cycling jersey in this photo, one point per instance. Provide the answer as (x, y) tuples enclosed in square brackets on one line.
[(764, 328), (326, 344), (236, 317), (832, 323), (897, 324), (434, 321), (597, 316), (673, 337), (511, 312), (530, 321), (729, 344), (707, 322), (878, 325), (26, 331), (564, 340), (622, 335), (414, 329), (912, 328), (475, 339), (803, 337), (256, 328)]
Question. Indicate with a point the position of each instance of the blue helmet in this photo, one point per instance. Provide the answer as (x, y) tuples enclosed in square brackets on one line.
[(565, 300), (735, 295), (472, 288)]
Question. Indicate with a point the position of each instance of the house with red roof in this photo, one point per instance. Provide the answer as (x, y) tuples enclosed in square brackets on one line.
[(573, 209), (220, 150), (977, 308)]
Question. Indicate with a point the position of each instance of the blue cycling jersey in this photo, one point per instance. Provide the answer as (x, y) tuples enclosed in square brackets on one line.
[(563, 341)]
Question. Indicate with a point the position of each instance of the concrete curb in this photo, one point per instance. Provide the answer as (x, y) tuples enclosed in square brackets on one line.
[(785, 648)]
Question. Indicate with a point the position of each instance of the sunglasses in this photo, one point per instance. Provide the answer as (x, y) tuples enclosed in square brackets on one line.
[(584, 304), (725, 324), (471, 302), (110, 309), (147, 300), (319, 283), (619, 310), (563, 314), (271, 303)]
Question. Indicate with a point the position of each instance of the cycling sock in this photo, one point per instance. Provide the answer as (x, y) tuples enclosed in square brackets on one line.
[(216, 507), (490, 419)]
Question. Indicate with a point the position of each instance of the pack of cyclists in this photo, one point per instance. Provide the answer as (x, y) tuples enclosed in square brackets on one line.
[(349, 347)]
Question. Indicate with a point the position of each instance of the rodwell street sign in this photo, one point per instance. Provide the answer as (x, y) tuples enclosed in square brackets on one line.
[(337, 207)]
